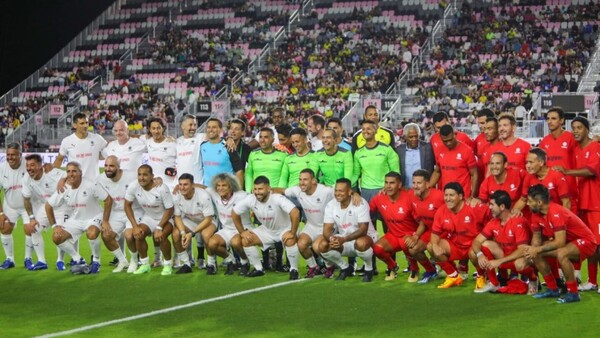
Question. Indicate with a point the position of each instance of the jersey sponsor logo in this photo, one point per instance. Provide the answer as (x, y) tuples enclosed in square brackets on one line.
[(564, 145), (83, 155), (513, 187), (431, 207), (550, 186), (458, 156), (467, 219), (518, 151), (401, 210)]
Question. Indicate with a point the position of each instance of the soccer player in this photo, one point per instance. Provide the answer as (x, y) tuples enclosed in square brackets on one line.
[(83, 147), (193, 214), (414, 154), (481, 141), (557, 233), (439, 120), (514, 148), (425, 201), (372, 162), (116, 181), (455, 162), (285, 141), (455, 225), (237, 130), (226, 192), (38, 186), (303, 158), (129, 150), (334, 162), (83, 213), (347, 231), (189, 157), (279, 220), (265, 161), (501, 244), (162, 152), (587, 169), (502, 177), (382, 134), (157, 205), (312, 197), (336, 124), (216, 158), (315, 125), (491, 136)]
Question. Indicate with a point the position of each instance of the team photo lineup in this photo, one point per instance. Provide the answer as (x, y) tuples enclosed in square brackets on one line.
[(520, 215)]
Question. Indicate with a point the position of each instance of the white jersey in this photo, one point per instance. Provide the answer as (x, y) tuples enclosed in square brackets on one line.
[(117, 190), (85, 151), (316, 143), (274, 214), (161, 156), (129, 154), (196, 208), (189, 159), (346, 220), (224, 209), (81, 203), (154, 202), (40, 191), (11, 180), (313, 205)]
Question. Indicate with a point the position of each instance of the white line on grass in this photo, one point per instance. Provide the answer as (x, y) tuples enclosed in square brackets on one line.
[(169, 309)]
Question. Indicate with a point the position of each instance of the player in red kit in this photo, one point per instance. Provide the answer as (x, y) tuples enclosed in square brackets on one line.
[(501, 177), (439, 120), (513, 147), (481, 142)]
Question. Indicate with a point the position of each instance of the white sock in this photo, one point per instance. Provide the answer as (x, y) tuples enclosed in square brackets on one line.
[(292, 255), (95, 245), (28, 247), (144, 261), (8, 244), (184, 258), (119, 254), (134, 256), (243, 261), (212, 260), (311, 262), (253, 257), (60, 254), (228, 259), (157, 253), (121, 242), (68, 247), (366, 256), (38, 245), (168, 262), (335, 257)]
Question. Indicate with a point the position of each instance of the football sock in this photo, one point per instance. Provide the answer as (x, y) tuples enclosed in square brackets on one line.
[(550, 282), (592, 272), (311, 262), (385, 256), (253, 257), (60, 254), (449, 268), (292, 255), (121, 242), (212, 260), (367, 258), (8, 244), (228, 259), (426, 264), (412, 263), (335, 257), (119, 254), (491, 274), (38, 245), (28, 247), (184, 258), (95, 245), (68, 247), (572, 286)]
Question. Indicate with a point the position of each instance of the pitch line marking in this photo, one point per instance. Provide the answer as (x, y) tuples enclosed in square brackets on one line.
[(167, 310)]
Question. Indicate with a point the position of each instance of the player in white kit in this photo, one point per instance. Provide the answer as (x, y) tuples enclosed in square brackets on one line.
[(279, 220), (226, 193), (194, 214), (80, 200), (38, 186), (162, 152), (82, 147), (129, 150), (157, 203), (116, 181), (11, 181), (348, 231)]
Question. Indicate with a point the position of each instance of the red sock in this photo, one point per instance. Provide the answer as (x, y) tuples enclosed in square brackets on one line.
[(463, 266), (412, 263), (553, 262), (593, 272), (529, 272), (448, 267), (491, 273), (550, 282), (384, 256), (427, 265), (572, 286)]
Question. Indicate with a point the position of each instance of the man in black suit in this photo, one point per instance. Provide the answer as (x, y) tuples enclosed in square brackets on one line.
[(414, 154)]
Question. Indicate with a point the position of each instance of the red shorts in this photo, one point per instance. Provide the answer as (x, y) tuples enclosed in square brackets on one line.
[(592, 219), (508, 266), (457, 253), (397, 243), (586, 248), (426, 236)]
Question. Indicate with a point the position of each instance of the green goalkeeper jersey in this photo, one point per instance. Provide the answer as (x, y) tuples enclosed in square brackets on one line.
[(293, 165), (264, 164), (372, 164), (334, 167)]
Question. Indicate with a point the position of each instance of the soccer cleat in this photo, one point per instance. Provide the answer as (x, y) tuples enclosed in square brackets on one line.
[(294, 274), (7, 264), (144, 268), (562, 287), (201, 264), (391, 274), (587, 286), (184, 269), (312, 272), (532, 287), (359, 271), (549, 293), (114, 262), (464, 275), (569, 297), (413, 277), (282, 268), (81, 262), (80, 269), (157, 263), (95, 267), (120, 267), (28, 263), (480, 282), (367, 276), (427, 277), (39, 266), (450, 282), (407, 270), (60, 266), (167, 270), (230, 268), (211, 270), (489, 287), (255, 273), (329, 272), (244, 269), (345, 273), (133, 266)]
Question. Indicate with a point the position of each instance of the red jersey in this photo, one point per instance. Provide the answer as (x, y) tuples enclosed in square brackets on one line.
[(560, 218), (559, 151), (455, 166), (516, 153), (425, 209), (438, 145), (555, 182), (510, 235), (588, 157), (480, 144), (460, 228), (512, 184), (397, 215)]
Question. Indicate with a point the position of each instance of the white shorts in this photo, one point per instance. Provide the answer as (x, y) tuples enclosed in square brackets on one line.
[(350, 251), (13, 214), (227, 235), (269, 237), (76, 227), (150, 222), (119, 222), (312, 231)]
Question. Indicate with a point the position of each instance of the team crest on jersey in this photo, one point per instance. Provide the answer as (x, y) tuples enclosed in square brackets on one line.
[(431, 207), (550, 186), (467, 219), (564, 145), (269, 206), (512, 187), (458, 156), (518, 151), (401, 210), (198, 204), (318, 200), (92, 143), (129, 148), (349, 212), (165, 148), (84, 193)]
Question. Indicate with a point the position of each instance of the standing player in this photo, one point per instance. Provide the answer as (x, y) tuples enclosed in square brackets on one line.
[(514, 148), (336, 124), (439, 120), (502, 177), (129, 150), (334, 162), (237, 130), (303, 158), (279, 220), (315, 125), (347, 231), (265, 161), (216, 158), (381, 134), (83, 147), (481, 141), (491, 136), (157, 205), (189, 157), (83, 214), (162, 152), (558, 233)]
